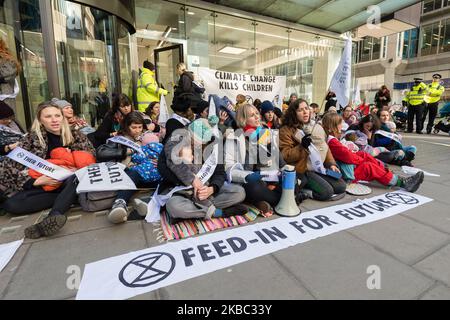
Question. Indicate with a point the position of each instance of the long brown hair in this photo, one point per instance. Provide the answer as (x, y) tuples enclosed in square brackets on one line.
[(6, 54), (289, 118), (330, 123)]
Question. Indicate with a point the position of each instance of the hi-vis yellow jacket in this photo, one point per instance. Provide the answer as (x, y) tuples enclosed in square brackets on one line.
[(417, 94), (435, 91), (147, 89)]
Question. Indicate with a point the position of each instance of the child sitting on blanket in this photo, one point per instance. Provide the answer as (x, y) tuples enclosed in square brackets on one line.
[(366, 167), (187, 156)]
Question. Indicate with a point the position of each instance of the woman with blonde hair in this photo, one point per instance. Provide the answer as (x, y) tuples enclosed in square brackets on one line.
[(249, 155), (9, 69), (49, 131), (186, 84)]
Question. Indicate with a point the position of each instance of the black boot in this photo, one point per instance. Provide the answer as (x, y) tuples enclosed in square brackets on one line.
[(412, 183), (236, 210), (409, 155), (47, 227)]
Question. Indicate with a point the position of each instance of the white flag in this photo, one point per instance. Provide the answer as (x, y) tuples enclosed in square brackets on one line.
[(163, 111), (356, 93), (341, 81)]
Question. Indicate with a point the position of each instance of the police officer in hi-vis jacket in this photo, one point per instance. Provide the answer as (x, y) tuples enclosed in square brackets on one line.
[(435, 91), (416, 104)]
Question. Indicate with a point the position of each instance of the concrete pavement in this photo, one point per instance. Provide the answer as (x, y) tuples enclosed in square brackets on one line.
[(412, 251)]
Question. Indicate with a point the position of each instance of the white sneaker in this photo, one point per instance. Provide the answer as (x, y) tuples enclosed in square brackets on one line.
[(140, 206), (119, 212)]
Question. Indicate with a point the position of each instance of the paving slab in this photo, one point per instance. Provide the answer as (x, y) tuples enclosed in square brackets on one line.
[(44, 272), (389, 235), (435, 191), (335, 267), (435, 214), (9, 270), (12, 227), (261, 278), (440, 292), (437, 265)]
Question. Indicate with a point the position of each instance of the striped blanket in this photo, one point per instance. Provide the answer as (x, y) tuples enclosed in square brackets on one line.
[(191, 227)]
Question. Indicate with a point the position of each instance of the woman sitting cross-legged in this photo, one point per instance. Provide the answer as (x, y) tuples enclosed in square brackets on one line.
[(141, 167), (212, 198), (365, 167), (387, 138), (297, 133), (248, 154), (49, 131)]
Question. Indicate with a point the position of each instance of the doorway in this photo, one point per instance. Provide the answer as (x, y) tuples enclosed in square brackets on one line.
[(165, 53), (166, 60)]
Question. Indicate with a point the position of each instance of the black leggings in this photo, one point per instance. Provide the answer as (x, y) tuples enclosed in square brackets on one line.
[(258, 191), (322, 186), (34, 200)]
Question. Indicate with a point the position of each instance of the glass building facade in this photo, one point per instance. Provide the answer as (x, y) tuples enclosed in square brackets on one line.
[(83, 52)]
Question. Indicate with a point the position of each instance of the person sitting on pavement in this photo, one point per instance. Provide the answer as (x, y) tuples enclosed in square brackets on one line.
[(10, 130), (113, 121), (365, 167), (297, 133), (227, 198), (141, 167), (268, 115), (365, 131), (393, 141), (248, 153), (75, 122), (49, 131)]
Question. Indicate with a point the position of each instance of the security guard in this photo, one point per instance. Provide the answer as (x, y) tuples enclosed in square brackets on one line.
[(416, 104), (147, 87), (435, 91)]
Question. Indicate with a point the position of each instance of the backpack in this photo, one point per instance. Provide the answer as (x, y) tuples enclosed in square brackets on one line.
[(97, 201)]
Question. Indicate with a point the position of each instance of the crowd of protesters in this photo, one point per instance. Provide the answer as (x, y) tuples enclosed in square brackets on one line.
[(258, 138)]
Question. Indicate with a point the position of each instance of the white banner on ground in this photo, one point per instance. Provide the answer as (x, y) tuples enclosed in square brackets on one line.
[(341, 81), (42, 166), (7, 251), (105, 176), (414, 170), (138, 272), (231, 84), (127, 142)]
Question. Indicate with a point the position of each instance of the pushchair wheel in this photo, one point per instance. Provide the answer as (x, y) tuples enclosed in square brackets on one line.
[(436, 131)]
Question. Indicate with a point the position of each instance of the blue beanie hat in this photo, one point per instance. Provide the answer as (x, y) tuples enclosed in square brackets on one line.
[(266, 106)]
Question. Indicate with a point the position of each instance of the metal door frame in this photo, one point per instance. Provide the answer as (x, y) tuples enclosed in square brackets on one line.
[(178, 46)]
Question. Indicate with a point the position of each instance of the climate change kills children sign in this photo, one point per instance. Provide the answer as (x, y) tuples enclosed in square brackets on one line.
[(231, 84), (105, 176), (143, 271)]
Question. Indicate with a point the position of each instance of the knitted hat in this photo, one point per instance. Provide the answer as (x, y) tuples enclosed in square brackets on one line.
[(266, 106), (5, 110), (201, 129), (61, 103), (182, 102)]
